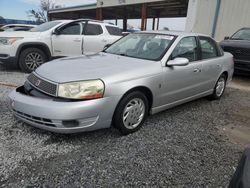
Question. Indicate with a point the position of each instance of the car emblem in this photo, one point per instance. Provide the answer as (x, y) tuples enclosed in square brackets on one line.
[(238, 51), (38, 82)]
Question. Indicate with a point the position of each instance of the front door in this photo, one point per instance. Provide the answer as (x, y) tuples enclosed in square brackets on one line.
[(68, 41), (182, 82)]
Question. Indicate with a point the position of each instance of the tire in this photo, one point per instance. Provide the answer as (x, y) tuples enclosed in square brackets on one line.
[(131, 112), (31, 58), (219, 87)]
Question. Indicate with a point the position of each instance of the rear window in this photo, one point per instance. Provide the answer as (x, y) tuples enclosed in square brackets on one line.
[(114, 30)]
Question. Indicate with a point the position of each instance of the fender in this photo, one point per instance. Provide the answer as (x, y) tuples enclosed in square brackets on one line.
[(34, 44)]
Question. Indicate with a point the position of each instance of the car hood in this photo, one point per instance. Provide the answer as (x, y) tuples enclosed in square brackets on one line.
[(235, 43), (108, 67), (19, 34)]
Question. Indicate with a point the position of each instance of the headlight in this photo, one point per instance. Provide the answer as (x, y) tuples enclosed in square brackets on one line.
[(9, 40), (91, 89)]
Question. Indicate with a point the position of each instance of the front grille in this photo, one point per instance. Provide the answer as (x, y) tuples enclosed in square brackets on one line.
[(238, 53), (42, 85), (38, 120)]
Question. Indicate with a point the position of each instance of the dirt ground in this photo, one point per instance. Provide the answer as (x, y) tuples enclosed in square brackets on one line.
[(197, 144), (239, 132)]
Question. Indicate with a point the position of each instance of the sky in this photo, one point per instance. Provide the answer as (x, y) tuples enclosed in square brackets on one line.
[(17, 9)]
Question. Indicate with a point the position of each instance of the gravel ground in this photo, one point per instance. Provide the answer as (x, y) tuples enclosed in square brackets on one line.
[(180, 147)]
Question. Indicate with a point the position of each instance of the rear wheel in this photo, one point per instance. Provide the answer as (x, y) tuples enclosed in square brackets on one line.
[(131, 112), (219, 87), (31, 58)]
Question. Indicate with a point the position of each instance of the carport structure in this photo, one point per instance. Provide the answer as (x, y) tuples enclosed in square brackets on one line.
[(125, 9)]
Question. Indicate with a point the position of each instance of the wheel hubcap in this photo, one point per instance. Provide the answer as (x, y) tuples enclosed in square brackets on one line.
[(33, 60), (133, 113), (220, 87)]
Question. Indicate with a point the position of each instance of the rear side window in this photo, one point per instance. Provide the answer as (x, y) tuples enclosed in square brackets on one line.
[(114, 30), (93, 29), (208, 48)]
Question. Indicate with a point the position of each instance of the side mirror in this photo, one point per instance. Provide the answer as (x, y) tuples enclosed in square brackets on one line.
[(226, 38), (179, 61), (56, 32)]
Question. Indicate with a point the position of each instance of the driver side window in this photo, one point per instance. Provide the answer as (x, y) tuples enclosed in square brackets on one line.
[(186, 48), (71, 29)]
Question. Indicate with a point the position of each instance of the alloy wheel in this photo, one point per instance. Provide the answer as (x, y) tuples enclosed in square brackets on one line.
[(33, 60)]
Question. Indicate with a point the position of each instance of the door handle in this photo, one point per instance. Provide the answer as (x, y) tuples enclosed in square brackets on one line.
[(77, 40), (104, 40), (197, 70)]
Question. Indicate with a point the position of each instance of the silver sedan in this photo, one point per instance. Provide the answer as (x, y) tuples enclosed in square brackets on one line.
[(140, 74)]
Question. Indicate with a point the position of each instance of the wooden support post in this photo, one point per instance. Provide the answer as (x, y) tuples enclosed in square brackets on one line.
[(143, 16), (125, 25), (49, 17), (158, 23), (125, 20), (153, 25), (99, 13)]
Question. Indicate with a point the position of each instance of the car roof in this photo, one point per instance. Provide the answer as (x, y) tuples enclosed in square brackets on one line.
[(175, 33), (89, 20), (63, 21), (19, 25)]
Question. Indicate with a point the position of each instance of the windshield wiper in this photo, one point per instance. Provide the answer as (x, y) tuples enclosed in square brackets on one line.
[(236, 39), (122, 54)]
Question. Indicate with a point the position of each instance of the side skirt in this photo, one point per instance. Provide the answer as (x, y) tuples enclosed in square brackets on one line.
[(179, 102)]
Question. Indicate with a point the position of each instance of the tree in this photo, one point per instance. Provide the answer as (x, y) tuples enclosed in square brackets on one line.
[(41, 15)]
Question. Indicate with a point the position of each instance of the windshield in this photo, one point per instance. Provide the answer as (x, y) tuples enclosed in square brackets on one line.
[(142, 45), (45, 26), (243, 34)]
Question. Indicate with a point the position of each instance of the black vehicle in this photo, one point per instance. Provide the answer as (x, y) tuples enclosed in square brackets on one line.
[(239, 45)]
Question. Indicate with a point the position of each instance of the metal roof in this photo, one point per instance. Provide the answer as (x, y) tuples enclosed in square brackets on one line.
[(74, 8), (158, 9)]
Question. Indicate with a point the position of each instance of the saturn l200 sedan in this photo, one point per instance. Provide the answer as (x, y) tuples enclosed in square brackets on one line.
[(140, 74)]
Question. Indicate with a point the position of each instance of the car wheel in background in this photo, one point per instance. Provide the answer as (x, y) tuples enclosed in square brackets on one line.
[(31, 58), (219, 87), (131, 112)]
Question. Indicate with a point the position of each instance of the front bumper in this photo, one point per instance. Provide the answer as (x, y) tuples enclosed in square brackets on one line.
[(6, 57), (242, 67), (9, 61), (63, 117)]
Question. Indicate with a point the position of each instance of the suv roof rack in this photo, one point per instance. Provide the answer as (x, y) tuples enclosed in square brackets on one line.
[(92, 20)]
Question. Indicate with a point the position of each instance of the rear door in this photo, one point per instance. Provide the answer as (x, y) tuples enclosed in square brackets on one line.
[(212, 62), (94, 38), (69, 40)]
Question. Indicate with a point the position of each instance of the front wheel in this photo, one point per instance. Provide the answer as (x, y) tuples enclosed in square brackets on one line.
[(220, 87), (131, 112), (31, 58)]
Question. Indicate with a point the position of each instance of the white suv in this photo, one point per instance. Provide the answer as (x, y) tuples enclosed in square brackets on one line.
[(60, 38)]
